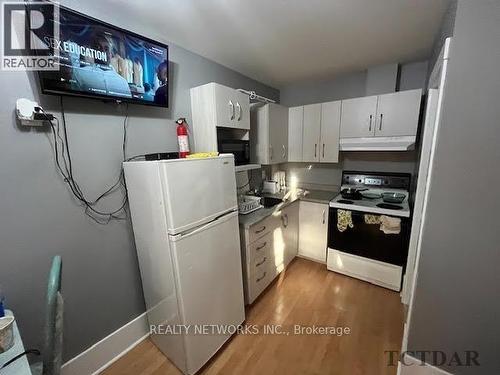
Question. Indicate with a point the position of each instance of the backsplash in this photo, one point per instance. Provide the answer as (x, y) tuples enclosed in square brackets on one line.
[(328, 176)]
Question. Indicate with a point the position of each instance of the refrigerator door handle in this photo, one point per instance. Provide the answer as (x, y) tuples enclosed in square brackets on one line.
[(203, 227)]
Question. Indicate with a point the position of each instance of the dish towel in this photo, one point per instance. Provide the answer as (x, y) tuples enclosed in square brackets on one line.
[(344, 220), (390, 225), (372, 219)]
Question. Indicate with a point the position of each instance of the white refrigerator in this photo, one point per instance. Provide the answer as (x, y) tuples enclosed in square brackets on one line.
[(185, 221)]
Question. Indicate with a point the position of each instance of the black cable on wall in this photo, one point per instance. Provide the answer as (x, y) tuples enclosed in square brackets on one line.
[(64, 164)]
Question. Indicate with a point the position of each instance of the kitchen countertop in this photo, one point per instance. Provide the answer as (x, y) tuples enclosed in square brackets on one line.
[(316, 196)]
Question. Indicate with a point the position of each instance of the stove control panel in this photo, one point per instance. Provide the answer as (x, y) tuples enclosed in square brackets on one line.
[(386, 180), (373, 181)]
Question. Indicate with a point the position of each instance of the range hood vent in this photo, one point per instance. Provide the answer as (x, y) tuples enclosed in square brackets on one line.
[(378, 144)]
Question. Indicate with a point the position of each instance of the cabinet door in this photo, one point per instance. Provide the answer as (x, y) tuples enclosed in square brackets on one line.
[(313, 224), (295, 128), (290, 225), (225, 106), (242, 110), (358, 117), (330, 132), (278, 133), (398, 113), (311, 133)]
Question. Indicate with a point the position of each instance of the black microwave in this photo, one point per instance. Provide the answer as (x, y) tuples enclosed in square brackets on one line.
[(240, 150)]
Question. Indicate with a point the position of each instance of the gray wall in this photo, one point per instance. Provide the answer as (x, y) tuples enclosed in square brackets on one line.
[(349, 85), (328, 176), (39, 217), (343, 86), (456, 301)]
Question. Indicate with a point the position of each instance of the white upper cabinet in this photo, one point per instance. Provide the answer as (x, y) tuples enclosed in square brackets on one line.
[(225, 106), (220, 106), (269, 134), (358, 117), (232, 107), (295, 129), (216, 106), (311, 133), (278, 133), (242, 110), (386, 122), (398, 113), (330, 132)]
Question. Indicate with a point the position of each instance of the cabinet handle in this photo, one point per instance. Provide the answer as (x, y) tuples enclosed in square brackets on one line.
[(261, 230), (370, 126), (261, 263), (284, 151), (324, 219), (323, 150), (271, 152), (261, 246), (260, 278), (284, 219), (231, 110), (380, 124), (315, 149), (238, 107)]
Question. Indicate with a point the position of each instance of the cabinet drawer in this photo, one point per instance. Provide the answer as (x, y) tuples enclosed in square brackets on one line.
[(260, 248), (258, 282), (260, 264), (260, 255), (261, 228)]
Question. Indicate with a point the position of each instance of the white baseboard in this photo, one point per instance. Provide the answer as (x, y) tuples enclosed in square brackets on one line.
[(103, 353), (416, 368), (311, 259)]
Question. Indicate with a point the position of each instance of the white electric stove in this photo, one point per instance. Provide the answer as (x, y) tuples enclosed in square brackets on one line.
[(363, 248), (371, 201)]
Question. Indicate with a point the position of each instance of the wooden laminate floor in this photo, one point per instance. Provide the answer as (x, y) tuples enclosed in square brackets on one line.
[(306, 294)]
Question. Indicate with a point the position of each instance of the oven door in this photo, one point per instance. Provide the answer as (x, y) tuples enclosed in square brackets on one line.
[(368, 241)]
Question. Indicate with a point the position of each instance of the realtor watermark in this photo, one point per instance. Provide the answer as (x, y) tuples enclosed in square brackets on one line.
[(467, 358), (249, 329), (26, 27)]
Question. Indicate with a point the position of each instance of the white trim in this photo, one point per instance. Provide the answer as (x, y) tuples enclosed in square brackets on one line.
[(311, 259), (246, 167), (402, 143), (370, 209), (421, 190), (373, 271), (414, 278), (418, 367), (102, 354)]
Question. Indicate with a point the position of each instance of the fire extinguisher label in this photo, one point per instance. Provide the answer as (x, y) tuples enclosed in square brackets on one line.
[(183, 143)]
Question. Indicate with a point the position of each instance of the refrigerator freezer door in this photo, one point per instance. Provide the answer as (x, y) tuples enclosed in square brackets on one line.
[(198, 191), (209, 283)]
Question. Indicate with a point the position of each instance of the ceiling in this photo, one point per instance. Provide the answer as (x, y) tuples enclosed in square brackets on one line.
[(283, 41)]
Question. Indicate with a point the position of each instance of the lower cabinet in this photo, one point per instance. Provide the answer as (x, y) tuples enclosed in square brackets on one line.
[(313, 230), (290, 231), (267, 248)]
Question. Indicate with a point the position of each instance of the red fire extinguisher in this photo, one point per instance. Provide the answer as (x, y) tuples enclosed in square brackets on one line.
[(182, 137)]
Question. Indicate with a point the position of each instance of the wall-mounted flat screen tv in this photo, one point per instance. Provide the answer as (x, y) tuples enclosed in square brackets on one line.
[(102, 61)]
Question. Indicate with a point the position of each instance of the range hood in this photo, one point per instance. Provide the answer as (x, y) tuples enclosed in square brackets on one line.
[(378, 144)]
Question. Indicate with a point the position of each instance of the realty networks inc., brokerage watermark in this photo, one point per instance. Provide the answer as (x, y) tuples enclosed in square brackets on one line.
[(30, 34)]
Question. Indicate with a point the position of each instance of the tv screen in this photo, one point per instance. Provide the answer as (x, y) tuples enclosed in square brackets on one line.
[(103, 61)]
